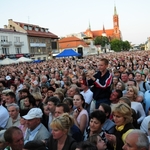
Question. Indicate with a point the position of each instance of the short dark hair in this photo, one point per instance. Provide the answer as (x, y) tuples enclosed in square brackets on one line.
[(68, 101), (127, 73), (86, 145), (105, 61), (14, 85), (132, 74), (34, 145), (18, 79), (99, 115), (65, 107), (51, 89), (106, 108), (135, 83), (33, 73), (9, 132), (119, 93), (53, 99), (11, 94), (31, 100)]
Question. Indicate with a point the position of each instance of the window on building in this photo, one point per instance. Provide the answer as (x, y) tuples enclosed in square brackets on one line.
[(5, 51), (4, 38), (36, 29), (26, 27), (18, 50), (17, 39), (54, 45), (36, 49), (42, 30), (39, 58), (46, 30), (32, 50), (30, 28), (44, 58), (44, 50), (37, 40), (31, 40)]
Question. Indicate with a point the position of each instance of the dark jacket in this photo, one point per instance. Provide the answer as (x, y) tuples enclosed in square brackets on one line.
[(70, 143), (101, 88), (118, 134)]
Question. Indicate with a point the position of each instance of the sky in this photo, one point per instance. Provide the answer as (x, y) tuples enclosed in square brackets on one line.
[(64, 17)]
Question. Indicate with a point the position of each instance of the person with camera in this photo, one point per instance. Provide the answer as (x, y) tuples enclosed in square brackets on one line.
[(101, 83)]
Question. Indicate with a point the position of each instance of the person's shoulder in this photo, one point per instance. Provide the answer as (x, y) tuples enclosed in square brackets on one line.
[(71, 143), (147, 118)]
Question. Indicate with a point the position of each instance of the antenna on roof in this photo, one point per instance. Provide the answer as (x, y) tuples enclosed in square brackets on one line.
[(28, 19)]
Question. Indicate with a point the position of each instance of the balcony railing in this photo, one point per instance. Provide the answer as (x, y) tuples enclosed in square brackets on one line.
[(6, 43), (18, 43)]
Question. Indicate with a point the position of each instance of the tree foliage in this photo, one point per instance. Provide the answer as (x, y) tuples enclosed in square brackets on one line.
[(119, 45), (101, 40), (116, 44)]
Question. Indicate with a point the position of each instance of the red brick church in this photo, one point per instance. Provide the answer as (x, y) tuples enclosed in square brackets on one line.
[(114, 33)]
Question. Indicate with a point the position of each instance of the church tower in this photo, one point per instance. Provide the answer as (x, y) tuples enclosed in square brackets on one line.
[(117, 34)]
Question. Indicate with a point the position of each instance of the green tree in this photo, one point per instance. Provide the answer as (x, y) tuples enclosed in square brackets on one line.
[(126, 45), (116, 45), (97, 40), (101, 40)]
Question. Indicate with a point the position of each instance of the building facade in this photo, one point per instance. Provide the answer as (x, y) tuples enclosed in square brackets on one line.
[(13, 44), (147, 44), (79, 45), (41, 42), (113, 33), (83, 42)]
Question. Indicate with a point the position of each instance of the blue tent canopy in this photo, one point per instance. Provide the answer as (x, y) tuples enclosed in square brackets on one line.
[(67, 53), (37, 61)]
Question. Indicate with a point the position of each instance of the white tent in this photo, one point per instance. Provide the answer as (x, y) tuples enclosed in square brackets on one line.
[(7, 61), (24, 59)]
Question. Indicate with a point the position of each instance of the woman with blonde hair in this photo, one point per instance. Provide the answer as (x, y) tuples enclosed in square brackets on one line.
[(38, 99), (60, 140), (122, 116), (132, 94)]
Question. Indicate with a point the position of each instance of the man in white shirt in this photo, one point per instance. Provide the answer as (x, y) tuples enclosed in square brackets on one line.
[(87, 94)]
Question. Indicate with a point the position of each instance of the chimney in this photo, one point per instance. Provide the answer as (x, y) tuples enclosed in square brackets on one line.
[(5, 26)]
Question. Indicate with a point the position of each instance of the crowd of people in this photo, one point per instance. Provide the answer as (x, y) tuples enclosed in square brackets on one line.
[(100, 102)]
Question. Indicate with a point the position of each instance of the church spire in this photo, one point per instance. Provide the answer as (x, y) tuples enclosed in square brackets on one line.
[(104, 32), (115, 10), (89, 26), (104, 29)]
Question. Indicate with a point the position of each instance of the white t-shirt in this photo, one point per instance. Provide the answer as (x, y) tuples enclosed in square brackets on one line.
[(88, 96)]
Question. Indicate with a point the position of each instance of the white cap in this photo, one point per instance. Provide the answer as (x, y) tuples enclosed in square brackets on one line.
[(7, 77), (33, 113)]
